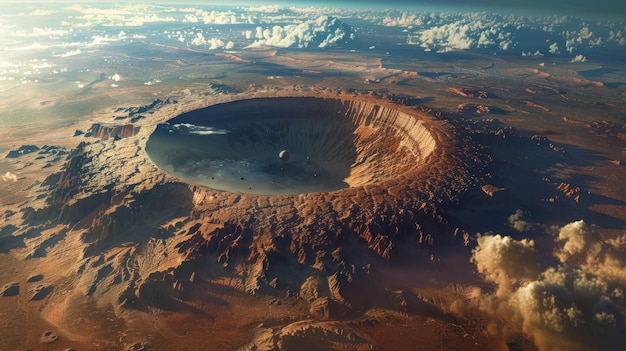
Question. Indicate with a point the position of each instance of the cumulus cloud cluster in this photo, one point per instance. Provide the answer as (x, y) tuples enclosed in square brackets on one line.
[(575, 304), (211, 43), (321, 32), (498, 259), (444, 32), (301, 29)]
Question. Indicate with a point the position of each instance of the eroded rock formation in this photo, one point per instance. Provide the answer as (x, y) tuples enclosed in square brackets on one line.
[(104, 132)]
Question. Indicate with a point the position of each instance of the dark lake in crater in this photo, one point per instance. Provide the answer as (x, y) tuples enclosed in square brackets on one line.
[(326, 145)]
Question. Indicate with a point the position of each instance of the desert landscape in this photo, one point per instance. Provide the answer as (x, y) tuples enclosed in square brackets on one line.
[(362, 189)]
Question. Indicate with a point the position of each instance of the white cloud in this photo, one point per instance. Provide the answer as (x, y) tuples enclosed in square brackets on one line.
[(532, 54), (152, 82), (554, 49), (313, 10), (570, 45), (516, 222), (8, 176), (26, 47), (39, 12), (191, 19), (45, 32), (573, 305), (211, 43), (106, 39), (505, 45), (577, 238), (585, 33), (323, 31), (443, 32), (579, 58), (119, 16), (218, 17), (215, 43), (505, 261), (266, 8), (199, 40), (451, 32), (70, 53)]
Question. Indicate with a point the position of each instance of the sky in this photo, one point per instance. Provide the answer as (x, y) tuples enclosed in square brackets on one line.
[(598, 7), (609, 9), (614, 7)]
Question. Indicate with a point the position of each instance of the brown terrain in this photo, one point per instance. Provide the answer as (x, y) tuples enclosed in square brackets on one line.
[(103, 250)]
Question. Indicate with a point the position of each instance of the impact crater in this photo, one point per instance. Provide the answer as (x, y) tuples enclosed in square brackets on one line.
[(291, 145)]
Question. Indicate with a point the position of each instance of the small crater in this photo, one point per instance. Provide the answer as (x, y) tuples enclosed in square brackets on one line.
[(39, 292), (49, 337), (34, 278), (10, 289)]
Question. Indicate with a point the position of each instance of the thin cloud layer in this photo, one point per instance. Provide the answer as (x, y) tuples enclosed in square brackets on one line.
[(120, 16), (218, 17)]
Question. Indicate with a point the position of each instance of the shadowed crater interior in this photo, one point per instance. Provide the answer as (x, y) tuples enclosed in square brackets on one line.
[(291, 145)]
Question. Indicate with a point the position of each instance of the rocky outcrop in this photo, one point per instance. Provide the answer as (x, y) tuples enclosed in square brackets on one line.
[(22, 150), (325, 308), (39, 292), (104, 132), (309, 335), (135, 110), (10, 289), (570, 191), (121, 223), (472, 93)]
